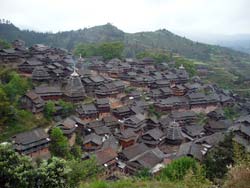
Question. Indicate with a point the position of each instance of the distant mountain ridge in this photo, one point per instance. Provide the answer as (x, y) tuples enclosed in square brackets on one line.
[(134, 43)]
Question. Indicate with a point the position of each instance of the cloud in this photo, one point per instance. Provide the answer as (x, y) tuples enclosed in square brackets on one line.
[(181, 16)]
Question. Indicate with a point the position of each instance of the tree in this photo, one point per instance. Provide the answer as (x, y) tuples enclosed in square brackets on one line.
[(4, 44), (53, 173), (59, 145), (82, 170), (86, 50), (49, 110), (239, 174), (159, 57), (76, 151), (218, 159), (143, 174), (19, 171), (15, 170), (16, 87), (196, 180), (178, 169), (231, 113), (5, 109), (110, 50), (67, 108)]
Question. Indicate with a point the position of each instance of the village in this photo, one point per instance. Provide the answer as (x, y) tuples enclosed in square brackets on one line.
[(131, 114)]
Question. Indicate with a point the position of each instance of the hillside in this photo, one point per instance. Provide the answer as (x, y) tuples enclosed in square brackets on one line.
[(134, 42)]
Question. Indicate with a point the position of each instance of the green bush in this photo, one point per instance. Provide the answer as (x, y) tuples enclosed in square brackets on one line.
[(177, 170)]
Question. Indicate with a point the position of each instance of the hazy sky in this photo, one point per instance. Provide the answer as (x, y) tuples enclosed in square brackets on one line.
[(181, 16)]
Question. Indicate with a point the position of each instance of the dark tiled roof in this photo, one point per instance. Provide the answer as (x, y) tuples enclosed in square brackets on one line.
[(111, 142), (44, 90), (193, 130), (74, 87), (190, 149), (126, 134), (105, 155), (212, 139), (134, 150), (102, 101), (30, 136), (173, 132), (40, 73), (155, 133), (182, 115), (93, 138), (148, 160), (102, 130)]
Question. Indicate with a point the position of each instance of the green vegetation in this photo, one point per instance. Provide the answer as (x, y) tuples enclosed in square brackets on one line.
[(134, 43), (159, 57), (143, 174), (107, 50), (188, 178), (19, 171), (59, 145), (67, 108), (49, 110), (202, 119), (13, 119), (239, 174), (178, 169), (4, 44), (231, 113), (218, 159), (188, 64), (153, 112)]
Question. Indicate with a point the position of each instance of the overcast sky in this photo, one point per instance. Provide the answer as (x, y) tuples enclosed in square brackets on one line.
[(189, 17)]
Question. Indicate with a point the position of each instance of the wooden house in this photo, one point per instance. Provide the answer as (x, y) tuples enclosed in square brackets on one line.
[(107, 158), (192, 132), (136, 123), (40, 74), (154, 137), (49, 92), (126, 137), (122, 112), (92, 142), (32, 102), (34, 143), (184, 118), (68, 126), (218, 126), (103, 105), (172, 103), (29, 65), (242, 135), (191, 149), (200, 100), (87, 111), (178, 90), (111, 122)]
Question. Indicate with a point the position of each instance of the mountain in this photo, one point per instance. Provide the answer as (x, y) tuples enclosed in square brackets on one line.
[(134, 42), (236, 42)]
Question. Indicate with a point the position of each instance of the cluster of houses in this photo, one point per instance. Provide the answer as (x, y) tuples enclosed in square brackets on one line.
[(142, 115)]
